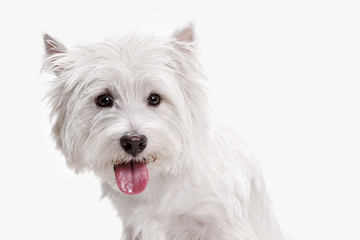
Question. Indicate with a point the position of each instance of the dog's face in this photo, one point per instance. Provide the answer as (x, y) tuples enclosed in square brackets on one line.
[(124, 108)]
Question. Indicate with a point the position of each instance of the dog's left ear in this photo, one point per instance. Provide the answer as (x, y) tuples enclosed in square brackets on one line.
[(184, 38), (185, 34)]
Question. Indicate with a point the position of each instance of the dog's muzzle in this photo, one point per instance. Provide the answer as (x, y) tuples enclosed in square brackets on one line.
[(132, 177)]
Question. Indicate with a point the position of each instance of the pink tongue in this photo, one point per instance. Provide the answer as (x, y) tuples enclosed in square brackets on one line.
[(132, 178)]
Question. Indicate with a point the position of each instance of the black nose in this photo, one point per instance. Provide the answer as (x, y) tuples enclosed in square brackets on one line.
[(133, 143)]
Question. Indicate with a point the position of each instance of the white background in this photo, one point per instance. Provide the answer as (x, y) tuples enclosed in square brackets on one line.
[(284, 74)]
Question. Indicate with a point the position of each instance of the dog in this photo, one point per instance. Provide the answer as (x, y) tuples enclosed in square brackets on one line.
[(134, 111)]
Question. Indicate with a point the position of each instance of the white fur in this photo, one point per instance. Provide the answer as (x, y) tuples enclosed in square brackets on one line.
[(204, 182)]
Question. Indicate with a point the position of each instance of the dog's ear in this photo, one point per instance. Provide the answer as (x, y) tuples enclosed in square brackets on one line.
[(184, 38), (52, 46), (186, 33), (54, 51)]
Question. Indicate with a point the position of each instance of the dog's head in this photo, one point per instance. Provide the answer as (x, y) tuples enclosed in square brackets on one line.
[(127, 105)]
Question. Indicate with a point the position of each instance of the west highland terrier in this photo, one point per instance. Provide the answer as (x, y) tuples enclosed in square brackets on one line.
[(134, 111)]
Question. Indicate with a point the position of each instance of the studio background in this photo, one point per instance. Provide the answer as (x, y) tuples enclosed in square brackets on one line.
[(283, 74)]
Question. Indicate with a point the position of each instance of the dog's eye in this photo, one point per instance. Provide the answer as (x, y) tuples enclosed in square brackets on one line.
[(104, 100), (154, 100)]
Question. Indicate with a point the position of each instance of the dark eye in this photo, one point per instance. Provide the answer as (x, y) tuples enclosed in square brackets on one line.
[(154, 100), (104, 100)]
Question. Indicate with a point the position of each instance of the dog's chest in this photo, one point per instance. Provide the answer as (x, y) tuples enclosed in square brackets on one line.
[(179, 213)]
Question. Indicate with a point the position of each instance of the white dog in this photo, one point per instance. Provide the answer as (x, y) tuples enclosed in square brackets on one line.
[(134, 111)]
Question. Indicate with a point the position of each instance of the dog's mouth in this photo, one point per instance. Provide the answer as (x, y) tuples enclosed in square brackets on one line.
[(131, 177)]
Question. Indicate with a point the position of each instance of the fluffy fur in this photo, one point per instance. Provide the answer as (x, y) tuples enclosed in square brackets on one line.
[(204, 182)]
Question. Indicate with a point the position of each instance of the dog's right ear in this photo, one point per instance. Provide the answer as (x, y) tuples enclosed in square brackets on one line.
[(54, 51), (52, 46)]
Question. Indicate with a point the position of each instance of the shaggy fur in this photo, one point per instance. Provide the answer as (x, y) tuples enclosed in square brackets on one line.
[(204, 182)]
